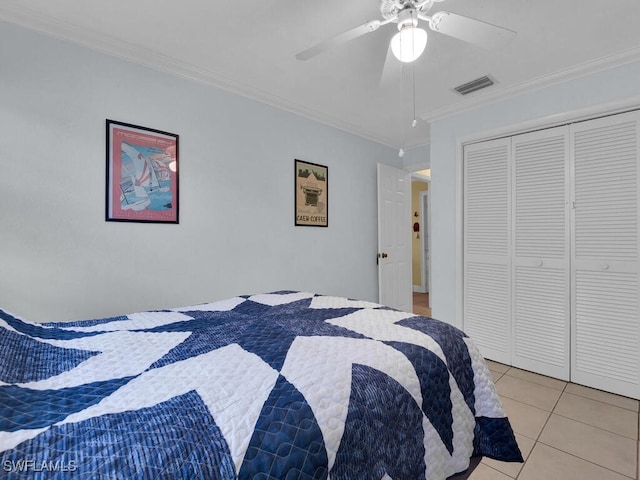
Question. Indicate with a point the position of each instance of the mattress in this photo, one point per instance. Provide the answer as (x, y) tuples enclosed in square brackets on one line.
[(284, 385)]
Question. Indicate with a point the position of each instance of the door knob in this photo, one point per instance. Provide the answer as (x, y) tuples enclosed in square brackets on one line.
[(382, 255)]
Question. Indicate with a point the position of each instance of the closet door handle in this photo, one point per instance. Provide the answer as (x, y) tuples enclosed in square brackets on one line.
[(604, 266), (539, 263)]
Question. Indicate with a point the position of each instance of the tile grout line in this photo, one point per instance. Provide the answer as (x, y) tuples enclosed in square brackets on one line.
[(582, 459), (552, 412), (537, 439), (601, 401), (596, 427)]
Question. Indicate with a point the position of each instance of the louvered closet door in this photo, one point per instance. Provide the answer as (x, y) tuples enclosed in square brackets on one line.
[(487, 265), (606, 330), (541, 269)]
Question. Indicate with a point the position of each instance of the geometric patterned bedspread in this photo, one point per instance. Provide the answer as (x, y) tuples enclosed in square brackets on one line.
[(285, 385)]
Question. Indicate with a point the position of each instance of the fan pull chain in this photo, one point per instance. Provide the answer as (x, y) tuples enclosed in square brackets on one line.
[(413, 81), (404, 133), (414, 122)]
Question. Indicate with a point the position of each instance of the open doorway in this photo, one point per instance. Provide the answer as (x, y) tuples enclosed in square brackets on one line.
[(421, 259)]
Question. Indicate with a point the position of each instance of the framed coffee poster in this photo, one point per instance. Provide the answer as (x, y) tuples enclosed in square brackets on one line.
[(311, 194)]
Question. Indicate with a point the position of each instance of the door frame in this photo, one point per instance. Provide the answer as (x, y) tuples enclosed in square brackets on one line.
[(425, 221), (425, 283)]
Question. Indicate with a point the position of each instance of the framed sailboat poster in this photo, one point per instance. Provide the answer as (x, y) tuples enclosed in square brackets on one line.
[(142, 174)]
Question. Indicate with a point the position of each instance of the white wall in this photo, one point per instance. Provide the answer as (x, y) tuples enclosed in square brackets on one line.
[(60, 260), (416, 159), (618, 85)]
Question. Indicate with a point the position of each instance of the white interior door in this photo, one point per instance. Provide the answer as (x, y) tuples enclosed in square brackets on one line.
[(487, 247), (606, 261), (541, 272), (394, 238)]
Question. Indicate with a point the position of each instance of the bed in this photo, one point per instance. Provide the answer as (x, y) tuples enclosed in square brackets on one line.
[(284, 385)]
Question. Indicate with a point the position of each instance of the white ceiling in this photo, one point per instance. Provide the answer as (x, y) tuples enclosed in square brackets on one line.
[(249, 48)]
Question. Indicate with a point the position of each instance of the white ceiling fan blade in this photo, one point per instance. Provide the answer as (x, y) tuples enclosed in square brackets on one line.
[(470, 30), (343, 37)]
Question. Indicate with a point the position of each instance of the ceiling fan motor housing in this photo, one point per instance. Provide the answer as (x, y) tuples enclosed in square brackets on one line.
[(391, 9), (407, 18)]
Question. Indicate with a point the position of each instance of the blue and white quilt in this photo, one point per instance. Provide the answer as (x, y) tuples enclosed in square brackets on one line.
[(285, 385)]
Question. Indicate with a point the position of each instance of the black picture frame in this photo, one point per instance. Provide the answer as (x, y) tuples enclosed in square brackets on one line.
[(311, 194), (142, 174)]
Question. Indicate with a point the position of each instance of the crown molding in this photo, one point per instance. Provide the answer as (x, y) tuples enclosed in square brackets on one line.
[(582, 70), (13, 12)]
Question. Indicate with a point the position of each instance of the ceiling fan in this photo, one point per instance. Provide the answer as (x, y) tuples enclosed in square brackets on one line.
[(410, 41)]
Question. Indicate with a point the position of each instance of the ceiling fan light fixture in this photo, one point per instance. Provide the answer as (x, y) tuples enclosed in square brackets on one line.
[(409, 43)]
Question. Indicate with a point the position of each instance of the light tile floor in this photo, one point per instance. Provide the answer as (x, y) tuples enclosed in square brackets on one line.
[(565, 431)]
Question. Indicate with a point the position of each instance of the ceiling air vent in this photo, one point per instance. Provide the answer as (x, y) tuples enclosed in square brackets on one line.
[(475, 85)]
